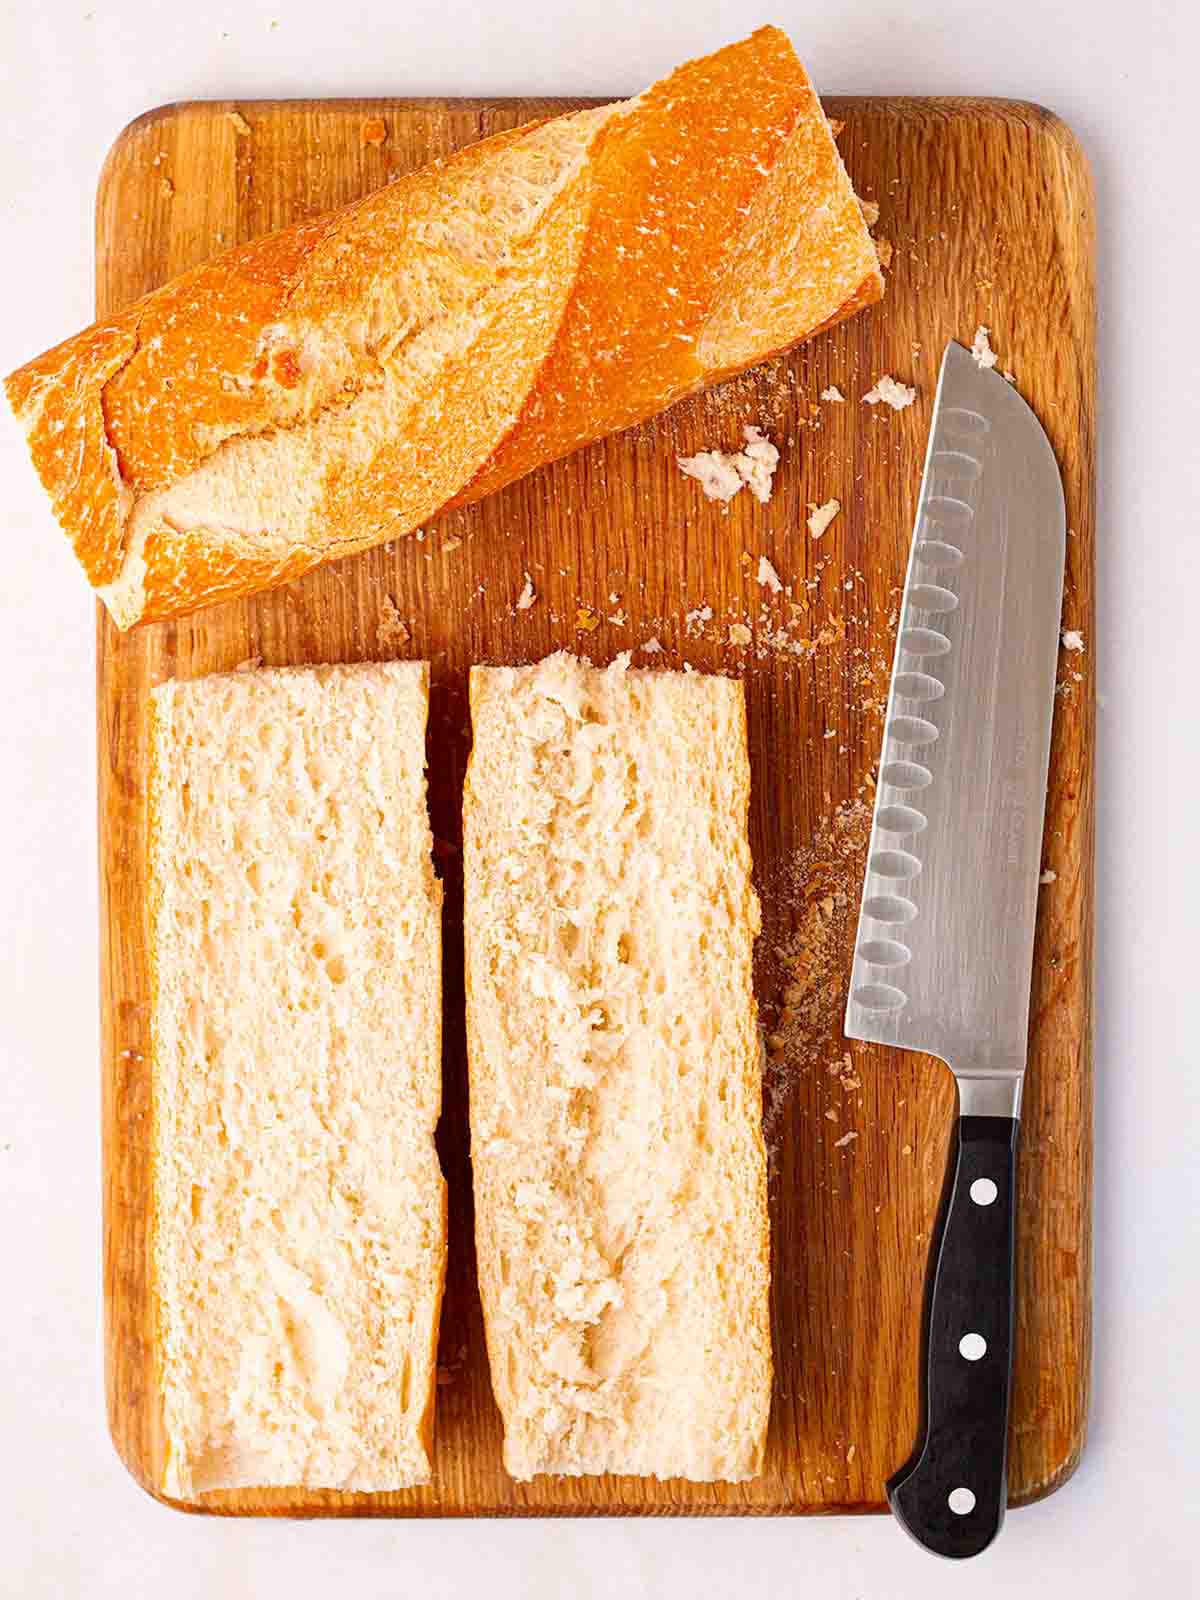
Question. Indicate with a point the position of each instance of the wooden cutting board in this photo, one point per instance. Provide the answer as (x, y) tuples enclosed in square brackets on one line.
[(987, 207)]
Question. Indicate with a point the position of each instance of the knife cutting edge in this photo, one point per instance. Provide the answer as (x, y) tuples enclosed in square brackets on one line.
[(944, 951)]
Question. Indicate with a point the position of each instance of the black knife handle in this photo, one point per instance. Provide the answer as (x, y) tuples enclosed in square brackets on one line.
[(952, 1493)]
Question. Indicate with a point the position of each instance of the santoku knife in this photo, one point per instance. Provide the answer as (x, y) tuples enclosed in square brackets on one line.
[(944, 951)]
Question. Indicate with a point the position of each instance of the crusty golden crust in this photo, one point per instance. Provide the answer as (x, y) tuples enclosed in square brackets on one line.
[(58, 398), (653, 314), (693, 231)]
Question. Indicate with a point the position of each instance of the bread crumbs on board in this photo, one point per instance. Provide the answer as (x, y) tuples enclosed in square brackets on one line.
[(392, 630), (833, 394), (1072, 639), (527, 596), (981, 348), (810, 906), (821, 516), (768, 577), (722, 476), (889, 392)]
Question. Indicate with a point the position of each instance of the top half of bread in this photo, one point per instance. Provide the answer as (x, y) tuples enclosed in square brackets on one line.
[(334, 385)]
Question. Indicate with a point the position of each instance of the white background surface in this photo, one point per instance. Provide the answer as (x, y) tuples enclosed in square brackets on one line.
[(71, 1522)]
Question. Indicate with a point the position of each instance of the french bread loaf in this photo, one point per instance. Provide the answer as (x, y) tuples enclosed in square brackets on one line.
[(334, 385), (615, 1080), (299, 1239)]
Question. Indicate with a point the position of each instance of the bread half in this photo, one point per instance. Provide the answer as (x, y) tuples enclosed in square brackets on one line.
[(300, 1212), (616, 1094), (331, 386)]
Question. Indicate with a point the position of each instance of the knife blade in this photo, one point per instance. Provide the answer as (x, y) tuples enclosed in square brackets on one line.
[(944, 951)]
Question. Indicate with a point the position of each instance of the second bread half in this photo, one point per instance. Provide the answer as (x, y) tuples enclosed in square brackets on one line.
[(616, 1094)]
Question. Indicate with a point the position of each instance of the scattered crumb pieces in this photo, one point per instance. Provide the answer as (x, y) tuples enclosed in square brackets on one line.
[(526, 597), (831, 1115), (847, 1138), (810, 905), (739, 633), (374, 131), (852, 1452), (715, 473), (768, 577), (907, 1150), (652, 647), (167, 187), (392, 629), (832, 393), (763, 458), (251, 664), (722, 476), (821, 516), (883, 249), (618, 619), (240, 125), (981, 348), (870, 211), (1048, 876), (889, 392), (1072, 639), (694, 621), (586, 620), (451, 545)]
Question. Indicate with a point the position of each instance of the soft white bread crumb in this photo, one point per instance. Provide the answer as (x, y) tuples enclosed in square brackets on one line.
[(820, 517), (981, 348), (716, 473), (722, 476), (768, 577), (616, 1098), (1072, 639), (527, 596), (300, 1236), (833, 393), (890, 393), (757, 462)]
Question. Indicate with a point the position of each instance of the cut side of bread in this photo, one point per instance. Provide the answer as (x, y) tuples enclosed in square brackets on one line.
[(300, 1215), (334, 385), (615, 1077)]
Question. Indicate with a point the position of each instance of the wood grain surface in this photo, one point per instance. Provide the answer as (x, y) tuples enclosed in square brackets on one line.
[(987, 207)]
